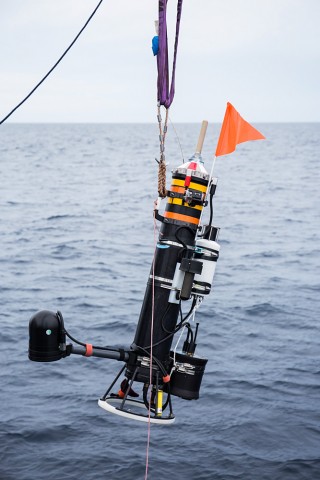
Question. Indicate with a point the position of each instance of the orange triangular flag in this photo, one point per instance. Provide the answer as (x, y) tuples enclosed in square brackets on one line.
[(235, 130)]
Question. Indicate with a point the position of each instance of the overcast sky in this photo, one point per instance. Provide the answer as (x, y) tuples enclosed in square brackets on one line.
[(261, 55)]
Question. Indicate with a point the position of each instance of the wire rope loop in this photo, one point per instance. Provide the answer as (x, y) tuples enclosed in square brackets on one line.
[(162, 171)]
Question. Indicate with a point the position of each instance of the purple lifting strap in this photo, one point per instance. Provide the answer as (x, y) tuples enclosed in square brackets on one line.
[(165, 95)]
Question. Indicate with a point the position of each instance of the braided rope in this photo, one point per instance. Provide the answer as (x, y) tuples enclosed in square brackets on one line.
[(162, 190)]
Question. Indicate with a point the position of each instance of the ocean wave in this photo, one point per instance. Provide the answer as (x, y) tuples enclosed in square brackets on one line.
[(83, 242)]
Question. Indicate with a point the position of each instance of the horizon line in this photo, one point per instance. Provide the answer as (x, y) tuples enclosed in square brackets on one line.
[(145, 123)]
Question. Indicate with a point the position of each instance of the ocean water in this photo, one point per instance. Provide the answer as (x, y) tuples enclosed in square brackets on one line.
[(76, 234)]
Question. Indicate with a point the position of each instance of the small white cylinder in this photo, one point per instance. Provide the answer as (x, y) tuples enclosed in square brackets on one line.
[(207, 251), (176, 285)]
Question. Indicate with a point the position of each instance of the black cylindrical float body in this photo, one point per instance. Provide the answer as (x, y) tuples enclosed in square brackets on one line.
[(165, 314), (167, 254), (178, 231)]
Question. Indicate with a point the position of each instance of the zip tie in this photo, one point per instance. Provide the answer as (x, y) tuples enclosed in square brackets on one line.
[(89, 350), (121, 394), (166, 379)]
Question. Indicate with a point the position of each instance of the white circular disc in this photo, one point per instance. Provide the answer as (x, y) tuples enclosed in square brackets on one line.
[(111, 404)]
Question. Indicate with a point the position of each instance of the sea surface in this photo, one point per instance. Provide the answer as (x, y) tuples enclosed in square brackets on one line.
[(76, 235)]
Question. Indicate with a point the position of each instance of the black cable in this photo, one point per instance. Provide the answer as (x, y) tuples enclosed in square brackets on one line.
[(155, 360), (146, 402), (191, 308), (196, 332), (187, 339), (180, 312), (163, 317), (54, 66), (207, 229), (185, 246), (145, 399), (189, 331), (211, 209), (177, 328), (163, 339), (74, 339), (179, 239), (93, 346)]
